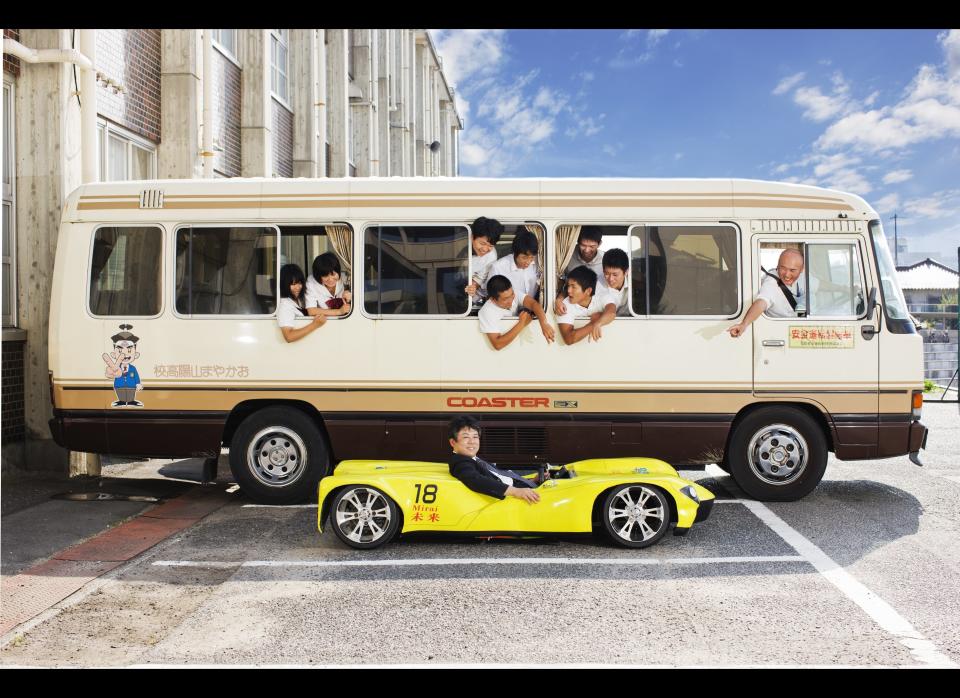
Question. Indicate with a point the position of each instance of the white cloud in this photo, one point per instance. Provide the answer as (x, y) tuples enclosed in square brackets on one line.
[(610, 150), (788, 83), (951, 46), (654, 36), (821, 107), (897, 176), (942, 204), (470, 52), (888, 203)]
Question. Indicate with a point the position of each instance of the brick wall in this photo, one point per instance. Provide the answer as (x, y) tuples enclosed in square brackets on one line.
[(131, 57), (282, 140), (11, 374), (226, 98), (10, 64)]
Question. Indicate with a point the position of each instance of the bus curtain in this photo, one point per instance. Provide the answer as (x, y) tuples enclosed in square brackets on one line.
[(339, 237)]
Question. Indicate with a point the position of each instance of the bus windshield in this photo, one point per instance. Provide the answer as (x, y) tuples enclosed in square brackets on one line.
[(895, 308)]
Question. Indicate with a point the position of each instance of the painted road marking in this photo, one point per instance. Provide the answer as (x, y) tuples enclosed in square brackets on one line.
[(879, 610), (279, 506), (428, 562)]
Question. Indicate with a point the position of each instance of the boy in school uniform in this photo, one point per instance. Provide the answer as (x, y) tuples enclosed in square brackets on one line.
[(584, 301), (616, 265), (585, 254), (505, 302), (484, 234), (521, 266)]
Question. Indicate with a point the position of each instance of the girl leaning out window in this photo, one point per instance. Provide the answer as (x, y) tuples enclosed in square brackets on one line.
[(325, 288), (293, 305)]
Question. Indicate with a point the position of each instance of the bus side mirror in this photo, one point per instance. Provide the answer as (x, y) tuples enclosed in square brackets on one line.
[(871, 302)]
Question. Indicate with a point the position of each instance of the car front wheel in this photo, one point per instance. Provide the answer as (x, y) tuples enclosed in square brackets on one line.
[(636, 516)]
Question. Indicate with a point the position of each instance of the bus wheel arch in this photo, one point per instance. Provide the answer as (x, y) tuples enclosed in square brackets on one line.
[(279, 451), (777, 451)]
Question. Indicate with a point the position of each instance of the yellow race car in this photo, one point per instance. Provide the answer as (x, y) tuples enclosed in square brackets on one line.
[(635, 500)]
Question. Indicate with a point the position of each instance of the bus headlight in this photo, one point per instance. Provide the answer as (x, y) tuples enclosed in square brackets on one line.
[(691, 492)]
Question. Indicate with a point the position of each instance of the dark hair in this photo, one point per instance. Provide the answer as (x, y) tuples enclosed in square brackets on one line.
[(585, 277), (459, 422), (325, 264), (489, 228), (290, 273), (616, 258), (525, 243), (497, 285), (591, 232)]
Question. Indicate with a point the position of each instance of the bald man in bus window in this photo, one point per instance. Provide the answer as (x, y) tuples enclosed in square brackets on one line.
[(778, 293)]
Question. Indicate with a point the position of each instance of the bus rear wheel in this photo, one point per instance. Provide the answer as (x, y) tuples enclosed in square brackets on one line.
[(278, 456), (777, 454)]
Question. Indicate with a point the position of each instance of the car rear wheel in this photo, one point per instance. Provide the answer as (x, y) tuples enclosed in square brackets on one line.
[(364, 517), (278, 456), (636, 516), (777, 454)]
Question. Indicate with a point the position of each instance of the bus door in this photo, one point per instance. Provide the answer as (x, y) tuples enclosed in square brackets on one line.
[(827, 354)]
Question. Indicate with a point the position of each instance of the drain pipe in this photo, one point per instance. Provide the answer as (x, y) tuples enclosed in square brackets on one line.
[(207, 151), (321, 104), (84, 58)]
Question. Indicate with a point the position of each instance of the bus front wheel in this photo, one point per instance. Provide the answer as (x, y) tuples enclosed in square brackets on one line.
[(278, 456), (777, 454)]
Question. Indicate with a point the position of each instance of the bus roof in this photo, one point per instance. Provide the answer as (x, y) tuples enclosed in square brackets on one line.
[(391, 198)]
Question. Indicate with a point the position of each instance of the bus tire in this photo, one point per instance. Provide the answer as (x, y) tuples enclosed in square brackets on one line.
[(278, 456), (777, 454)]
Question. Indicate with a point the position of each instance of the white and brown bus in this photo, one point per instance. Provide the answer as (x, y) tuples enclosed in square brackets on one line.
[(187, 271)]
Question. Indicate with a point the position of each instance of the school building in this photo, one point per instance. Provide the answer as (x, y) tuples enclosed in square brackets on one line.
[(85, 105)]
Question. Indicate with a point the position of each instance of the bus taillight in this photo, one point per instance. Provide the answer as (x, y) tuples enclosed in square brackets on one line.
[(917, 403)]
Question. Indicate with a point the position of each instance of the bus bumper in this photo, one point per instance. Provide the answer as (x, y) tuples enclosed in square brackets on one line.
[(918, 440)]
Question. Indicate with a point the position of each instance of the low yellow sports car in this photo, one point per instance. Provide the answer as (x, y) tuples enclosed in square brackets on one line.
[(635, 500)]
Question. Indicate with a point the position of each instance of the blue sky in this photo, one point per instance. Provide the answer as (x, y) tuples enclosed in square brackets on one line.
[(873, 112)]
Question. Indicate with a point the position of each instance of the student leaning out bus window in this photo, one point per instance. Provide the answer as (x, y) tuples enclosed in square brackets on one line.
[(325, 288), (293, 305)]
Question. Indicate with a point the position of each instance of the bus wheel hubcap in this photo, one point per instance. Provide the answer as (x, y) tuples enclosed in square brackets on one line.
[(778, 454), (277, 456)]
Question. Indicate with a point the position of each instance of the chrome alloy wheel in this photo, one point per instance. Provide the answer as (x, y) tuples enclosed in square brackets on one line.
[(277, 456), (363, 515), (778, 454), (636, 514)]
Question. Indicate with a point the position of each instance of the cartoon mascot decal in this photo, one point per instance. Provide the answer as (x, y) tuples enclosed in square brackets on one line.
[(126, 379)]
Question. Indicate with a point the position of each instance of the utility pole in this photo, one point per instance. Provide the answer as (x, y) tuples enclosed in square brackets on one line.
[(896, 245)]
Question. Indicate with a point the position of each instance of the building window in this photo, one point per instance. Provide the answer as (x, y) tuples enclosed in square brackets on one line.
[(416, 270), (226, 41), (9, 290), (124, 156), (125, 271), (279, 63)]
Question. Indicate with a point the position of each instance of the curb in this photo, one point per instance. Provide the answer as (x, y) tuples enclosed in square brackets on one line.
[(35, 590)]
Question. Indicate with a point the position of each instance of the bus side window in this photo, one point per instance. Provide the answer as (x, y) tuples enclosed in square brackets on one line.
[(125, 276), (226, 270)]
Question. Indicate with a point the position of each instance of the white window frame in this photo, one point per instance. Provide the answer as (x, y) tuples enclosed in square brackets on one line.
[(280, 37), (10, 197), (650, 317), (105, 129), (231, 54)]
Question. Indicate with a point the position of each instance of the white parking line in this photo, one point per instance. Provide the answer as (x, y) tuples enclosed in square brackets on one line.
[(279, 506), (879, 610), (446, 561)]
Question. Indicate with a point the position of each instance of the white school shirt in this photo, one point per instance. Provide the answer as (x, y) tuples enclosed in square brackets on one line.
[(318, 294), (777, 303), (599, 301), (480, 268), (491, 313), (524, 281), (288, 312), (618, 297)]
